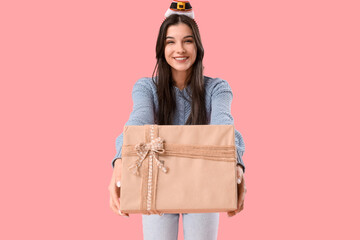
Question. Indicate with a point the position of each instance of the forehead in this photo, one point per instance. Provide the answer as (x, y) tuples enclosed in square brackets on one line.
[(178, 31)]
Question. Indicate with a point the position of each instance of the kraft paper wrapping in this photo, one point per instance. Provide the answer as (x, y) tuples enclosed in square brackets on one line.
[(178, 169)]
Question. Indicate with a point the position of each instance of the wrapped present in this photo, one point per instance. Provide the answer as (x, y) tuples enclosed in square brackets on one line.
[(178, 169)]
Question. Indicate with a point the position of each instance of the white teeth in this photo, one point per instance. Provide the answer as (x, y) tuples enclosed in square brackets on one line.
[(181, 58)]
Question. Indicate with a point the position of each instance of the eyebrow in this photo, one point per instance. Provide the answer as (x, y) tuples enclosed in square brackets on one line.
[(184, 37)]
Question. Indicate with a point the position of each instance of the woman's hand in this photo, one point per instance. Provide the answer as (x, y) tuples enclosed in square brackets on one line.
[(241, 191), (115, 190)]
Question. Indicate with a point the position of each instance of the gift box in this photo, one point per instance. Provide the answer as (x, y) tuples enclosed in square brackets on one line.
[(178, 169)]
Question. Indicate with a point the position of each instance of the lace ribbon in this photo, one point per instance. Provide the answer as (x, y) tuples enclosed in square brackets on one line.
[(143, 149)]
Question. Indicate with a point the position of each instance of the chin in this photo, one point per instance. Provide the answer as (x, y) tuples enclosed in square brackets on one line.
[(181, 69)]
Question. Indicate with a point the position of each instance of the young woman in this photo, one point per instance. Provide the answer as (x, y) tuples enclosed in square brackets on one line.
[(180, 94)]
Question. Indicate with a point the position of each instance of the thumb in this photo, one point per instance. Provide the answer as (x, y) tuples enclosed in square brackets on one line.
[(239, 174)]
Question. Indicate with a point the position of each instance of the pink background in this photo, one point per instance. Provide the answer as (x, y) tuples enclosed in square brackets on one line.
[(67, 69)]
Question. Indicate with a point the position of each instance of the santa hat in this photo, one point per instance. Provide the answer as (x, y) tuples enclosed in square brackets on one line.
[(180, 7)]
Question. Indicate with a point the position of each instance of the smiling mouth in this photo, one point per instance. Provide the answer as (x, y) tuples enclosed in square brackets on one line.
[(181, 59)]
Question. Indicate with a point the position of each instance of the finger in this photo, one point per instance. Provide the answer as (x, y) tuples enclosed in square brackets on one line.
[(243, 189), (117, 172), (241, 196), (112, 187), (238, 180), (115, 195), (230, 214), (233, 213), (113, 207), (239, 174), (240, 208), (117, 211), (238, 171), (117, 176), (123, 214)]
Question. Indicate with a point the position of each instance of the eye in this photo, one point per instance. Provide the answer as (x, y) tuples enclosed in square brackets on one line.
[(189, 41), (169, 42)]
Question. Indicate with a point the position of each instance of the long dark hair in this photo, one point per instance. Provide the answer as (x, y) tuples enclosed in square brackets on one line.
[(165, 90)]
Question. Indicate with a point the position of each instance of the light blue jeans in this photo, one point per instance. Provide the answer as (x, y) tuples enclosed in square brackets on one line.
[(197, 226)]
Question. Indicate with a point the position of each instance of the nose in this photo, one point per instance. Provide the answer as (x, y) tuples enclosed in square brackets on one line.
[(180, 48)]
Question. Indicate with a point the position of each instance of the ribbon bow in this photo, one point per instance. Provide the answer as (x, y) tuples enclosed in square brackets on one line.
[(142, 150)]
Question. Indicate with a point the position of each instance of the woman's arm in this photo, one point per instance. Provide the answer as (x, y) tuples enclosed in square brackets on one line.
[(221, 99), (142, 113)]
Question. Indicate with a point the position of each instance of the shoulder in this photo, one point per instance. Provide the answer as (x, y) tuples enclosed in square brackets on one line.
[(217, 85), (145, 85), (144, 82)]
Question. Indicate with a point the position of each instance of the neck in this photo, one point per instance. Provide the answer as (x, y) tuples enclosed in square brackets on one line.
[(181, 78)]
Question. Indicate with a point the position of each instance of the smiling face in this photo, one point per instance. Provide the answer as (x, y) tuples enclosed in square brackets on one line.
[(180, 43)]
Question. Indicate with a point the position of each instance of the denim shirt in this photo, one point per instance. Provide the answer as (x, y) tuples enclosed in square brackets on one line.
[(218, 98)]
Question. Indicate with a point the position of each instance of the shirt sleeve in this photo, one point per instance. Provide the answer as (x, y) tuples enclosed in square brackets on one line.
[(221, 99), (142, 112)]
